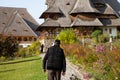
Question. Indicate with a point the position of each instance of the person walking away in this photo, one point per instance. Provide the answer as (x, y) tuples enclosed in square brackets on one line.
[(42, 46), (55, 62)]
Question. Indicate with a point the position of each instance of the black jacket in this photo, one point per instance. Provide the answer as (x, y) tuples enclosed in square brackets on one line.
[(55, 59)]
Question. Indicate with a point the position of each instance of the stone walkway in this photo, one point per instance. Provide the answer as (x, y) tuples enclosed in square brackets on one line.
[(72, 72)]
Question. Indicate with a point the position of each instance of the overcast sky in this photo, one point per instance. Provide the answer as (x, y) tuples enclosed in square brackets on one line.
[(34, 7)]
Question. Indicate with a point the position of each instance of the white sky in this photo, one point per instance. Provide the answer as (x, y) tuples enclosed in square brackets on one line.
[(34, 7)]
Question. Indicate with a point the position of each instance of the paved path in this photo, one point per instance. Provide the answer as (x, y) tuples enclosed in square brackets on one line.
[(71, 72)]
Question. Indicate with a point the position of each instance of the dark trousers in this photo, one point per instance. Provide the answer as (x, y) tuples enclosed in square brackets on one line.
[(54, 75)]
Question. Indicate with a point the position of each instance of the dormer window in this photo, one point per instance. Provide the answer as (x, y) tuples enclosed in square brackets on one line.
[(54, 17), (14, 30), (26, 30), (22, 14), (5, 12), (3, 23), (18, 22), (68, 3)]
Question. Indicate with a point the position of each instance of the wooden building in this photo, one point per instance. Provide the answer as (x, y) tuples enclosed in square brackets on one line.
[(81, 15), (17, 22)]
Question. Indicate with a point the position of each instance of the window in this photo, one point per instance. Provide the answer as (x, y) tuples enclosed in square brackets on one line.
[(35, 39), (3, 23), (18, 22), (19, 39), (4, 12), (26, 30), (68, 3), (110, 31), (106, 29), (25, 38), (22, 14), (30, 38), (54, 17), (14, 30)]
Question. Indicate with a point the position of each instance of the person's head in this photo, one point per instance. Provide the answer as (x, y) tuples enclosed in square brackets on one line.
[(57, 42)]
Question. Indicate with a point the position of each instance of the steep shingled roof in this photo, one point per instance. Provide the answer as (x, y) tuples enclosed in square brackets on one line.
[(107, 9), (18, 27), (49, 23), (80, 22), (84, 6), (70, 9), (51, 10), (23, 13), (9, 14), (115, 5), (111, 22)]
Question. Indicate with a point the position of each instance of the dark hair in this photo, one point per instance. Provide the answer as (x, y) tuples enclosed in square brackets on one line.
[(57, 41)]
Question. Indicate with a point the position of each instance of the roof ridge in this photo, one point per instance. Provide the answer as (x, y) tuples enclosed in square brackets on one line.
[(12, 7)]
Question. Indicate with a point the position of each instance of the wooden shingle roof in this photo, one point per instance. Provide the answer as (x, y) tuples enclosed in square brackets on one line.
[(111, 22), (10, 18), (51, 10), (84, 6), (66, 5), (114, 4), (71, 9), (23, 13), (79, 22), (107, 9), (18, 27), (49, 23)]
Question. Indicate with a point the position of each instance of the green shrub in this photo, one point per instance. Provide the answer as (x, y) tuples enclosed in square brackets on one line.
[(32, 50), (104, 38), (67, 36), (96, 35), (2, 58), (91, 58), (118, 34), (8, 47)]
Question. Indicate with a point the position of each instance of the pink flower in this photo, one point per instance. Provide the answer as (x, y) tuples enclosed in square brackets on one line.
[(101, 48), (97, 49)]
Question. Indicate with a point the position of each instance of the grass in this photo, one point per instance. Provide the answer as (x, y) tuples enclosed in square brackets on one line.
[(22, 69)]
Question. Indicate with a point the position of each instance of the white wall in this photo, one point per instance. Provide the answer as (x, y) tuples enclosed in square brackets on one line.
[(107, 30), (24, 45)]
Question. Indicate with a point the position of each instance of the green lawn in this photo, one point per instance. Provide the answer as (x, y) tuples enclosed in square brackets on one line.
[(22, 69)]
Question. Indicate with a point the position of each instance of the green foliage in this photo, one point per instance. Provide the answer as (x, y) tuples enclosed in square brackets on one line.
[(67, 36), (118, 34), (32, 50), (8, 47), (104, 38), (91, 58), (2, 58), (96, 34)]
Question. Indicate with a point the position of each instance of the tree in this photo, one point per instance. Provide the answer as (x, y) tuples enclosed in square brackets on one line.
[(67, 36), (96, 34), (8, 47)]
